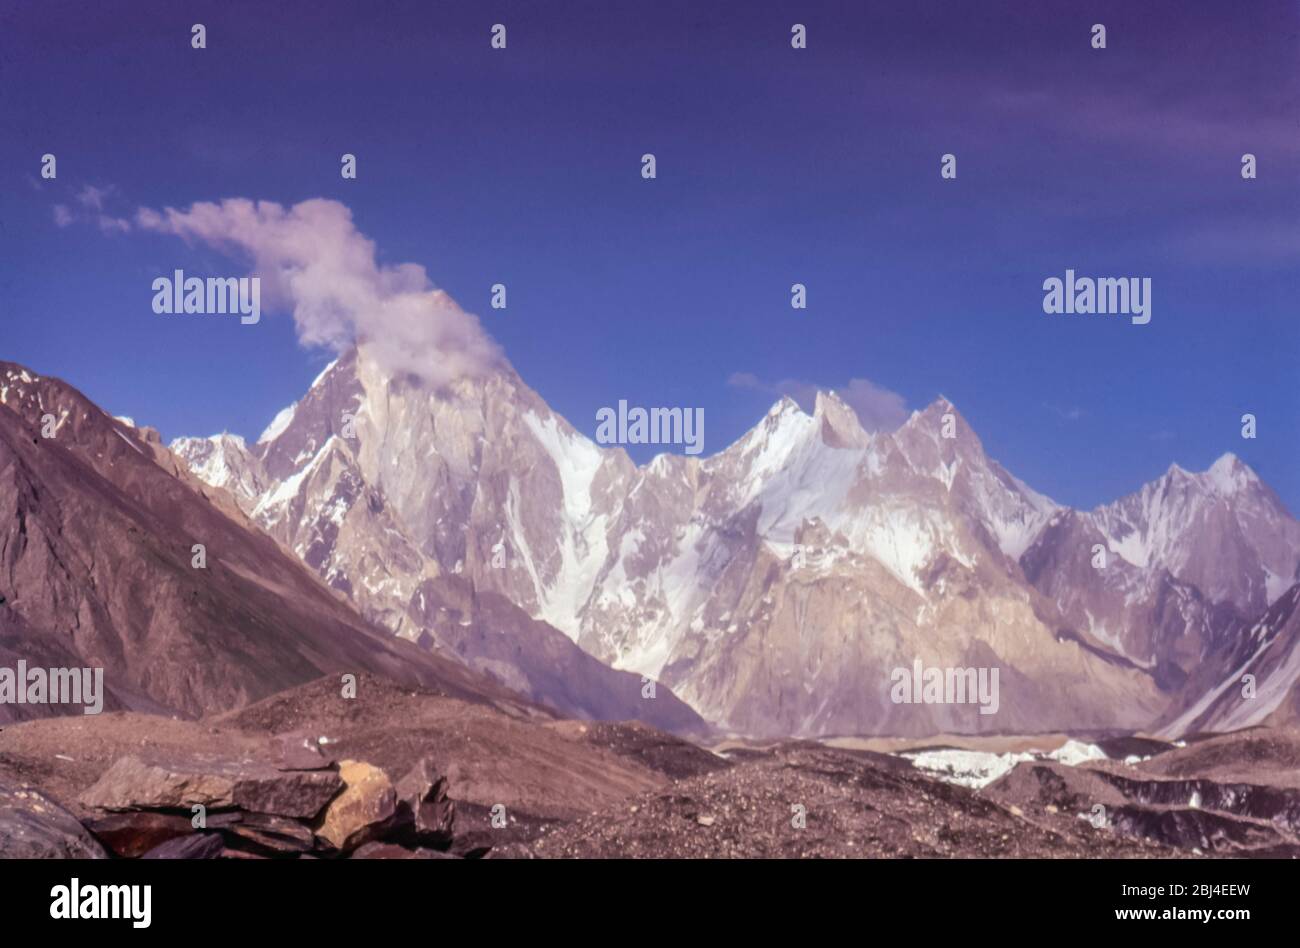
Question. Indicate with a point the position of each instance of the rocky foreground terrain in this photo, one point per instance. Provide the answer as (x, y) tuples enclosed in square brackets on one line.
[(404, 773)]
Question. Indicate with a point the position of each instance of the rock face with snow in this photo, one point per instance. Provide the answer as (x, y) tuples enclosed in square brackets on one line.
[(810, 559), (1170, 577), (1224, 531), (1252, 678), (222, 461), (437, 514), (98, 570), (1141, 614), (774, 586)]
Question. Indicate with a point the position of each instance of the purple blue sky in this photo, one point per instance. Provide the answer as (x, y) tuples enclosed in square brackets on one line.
[(775, 166)]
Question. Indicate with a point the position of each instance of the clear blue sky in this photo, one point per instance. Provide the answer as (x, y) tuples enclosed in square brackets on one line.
[(775, 166)]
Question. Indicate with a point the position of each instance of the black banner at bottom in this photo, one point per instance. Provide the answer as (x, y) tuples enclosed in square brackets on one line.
[(152, 898)]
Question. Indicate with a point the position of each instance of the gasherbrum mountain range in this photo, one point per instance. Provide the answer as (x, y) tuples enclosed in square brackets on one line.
[(469, 539), (773, 586)]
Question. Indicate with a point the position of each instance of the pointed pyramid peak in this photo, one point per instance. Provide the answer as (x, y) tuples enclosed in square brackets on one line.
[(1229, 474), (826, 400), (1226, 462), (784, 423), (934, 411), (829, 402), (939, 418), (785, 405), (840, 425)]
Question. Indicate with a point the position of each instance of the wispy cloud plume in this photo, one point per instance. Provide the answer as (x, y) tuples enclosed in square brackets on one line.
[(93, 197), (312, 260), (91, 210)]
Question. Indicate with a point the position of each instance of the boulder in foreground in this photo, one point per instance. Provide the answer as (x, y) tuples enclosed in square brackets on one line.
[(133, 784)]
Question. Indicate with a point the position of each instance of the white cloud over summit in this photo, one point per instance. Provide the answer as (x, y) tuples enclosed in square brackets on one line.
[(312, 260)]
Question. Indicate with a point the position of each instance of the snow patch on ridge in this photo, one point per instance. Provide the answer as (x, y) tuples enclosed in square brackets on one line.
[(583, 547), (323, 372), (576, 459), (278, 424), (288, 489), (1228, 475)]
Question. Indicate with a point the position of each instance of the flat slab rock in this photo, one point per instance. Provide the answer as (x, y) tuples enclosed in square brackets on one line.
[(33, 826), (177, 784)]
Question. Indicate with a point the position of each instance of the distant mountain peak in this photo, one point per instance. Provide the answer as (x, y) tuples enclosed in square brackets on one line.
[(785, 405), (1230, 474), (839, 422), (1227, 476), (932, 415)]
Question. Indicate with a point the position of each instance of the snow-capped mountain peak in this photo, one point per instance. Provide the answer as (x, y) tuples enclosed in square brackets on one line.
[(1222, 530), (764, 583), (1229, 474), (840, 426), (223, 460)]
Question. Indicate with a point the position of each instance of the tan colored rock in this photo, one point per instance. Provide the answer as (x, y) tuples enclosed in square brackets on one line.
[(363, 810)]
